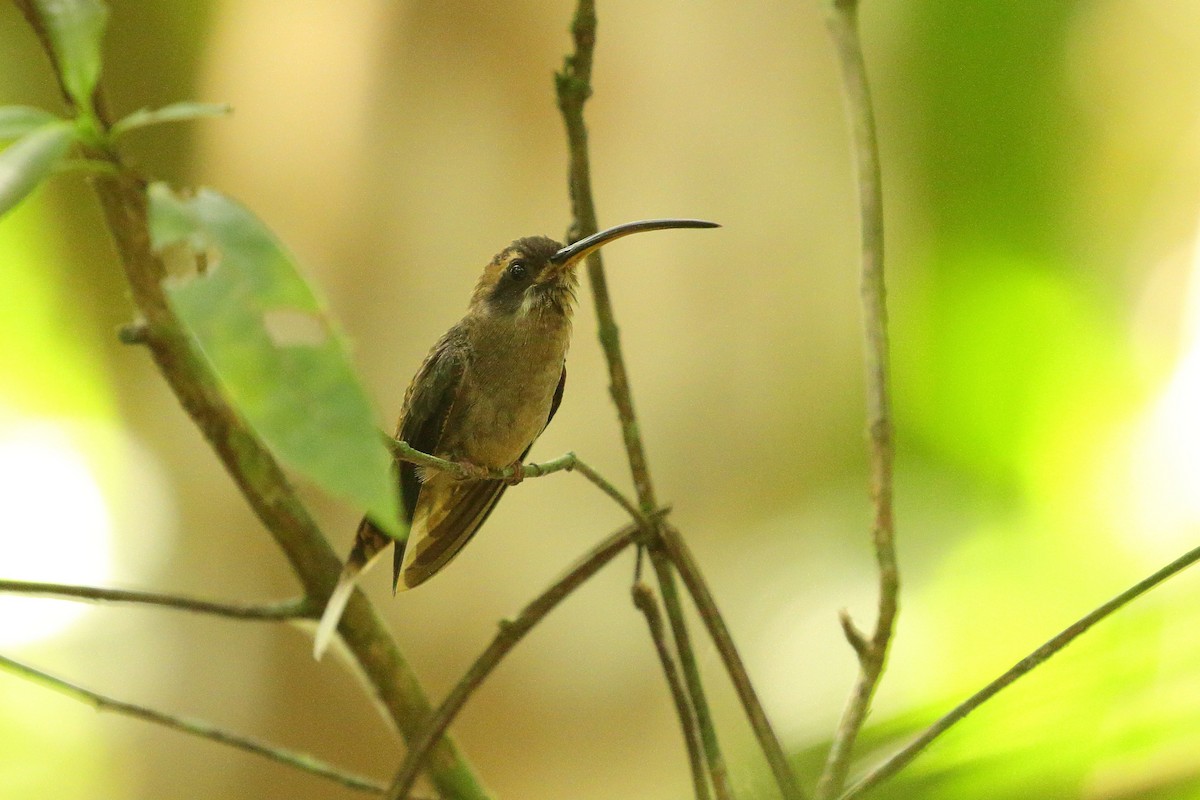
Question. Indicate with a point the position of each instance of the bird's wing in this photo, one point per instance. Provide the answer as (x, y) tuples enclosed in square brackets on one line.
[(427, 403), (554, 404), (453, 513)]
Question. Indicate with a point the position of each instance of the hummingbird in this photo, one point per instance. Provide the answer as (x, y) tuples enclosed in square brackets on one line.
[(484, 393)]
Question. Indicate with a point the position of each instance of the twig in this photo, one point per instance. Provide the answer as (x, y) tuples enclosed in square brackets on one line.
[(252, 467), (643, 600), (687, 661), (573, 85), (284, 610), (574, 88), (842, 18), (510, 633), (1035, 659), (710, 614), (195, 727)]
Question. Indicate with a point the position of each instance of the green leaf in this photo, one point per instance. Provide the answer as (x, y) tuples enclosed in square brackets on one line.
[(16, 121), (26, 161), (175, 112), (279, 358), (76, 28)]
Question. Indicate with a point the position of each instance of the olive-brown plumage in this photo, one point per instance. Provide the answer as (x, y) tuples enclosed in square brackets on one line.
[(483, 395)]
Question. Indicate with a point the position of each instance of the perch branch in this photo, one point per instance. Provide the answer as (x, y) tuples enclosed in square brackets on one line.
[(842, 18), (568, 462), (123, 201), (194, 727), (285, 610), (1035, 659), (511, 632)]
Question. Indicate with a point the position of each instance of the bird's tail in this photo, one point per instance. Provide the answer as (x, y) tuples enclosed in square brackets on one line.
[(369, 543)]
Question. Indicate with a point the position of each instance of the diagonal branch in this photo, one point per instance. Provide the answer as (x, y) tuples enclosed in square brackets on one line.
[(842, 18), (123, 201), (1027, 664), (195, 727), (691, 671), (710, 614), (286, 610), (511, 632), (643, 599)]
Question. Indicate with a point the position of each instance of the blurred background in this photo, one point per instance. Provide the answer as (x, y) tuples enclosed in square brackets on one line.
[(1041, 171)]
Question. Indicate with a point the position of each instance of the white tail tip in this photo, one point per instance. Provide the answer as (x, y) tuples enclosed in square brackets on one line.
[(333, 613)]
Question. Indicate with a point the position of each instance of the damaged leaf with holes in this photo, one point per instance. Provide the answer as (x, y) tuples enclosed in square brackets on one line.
[(279, 359)]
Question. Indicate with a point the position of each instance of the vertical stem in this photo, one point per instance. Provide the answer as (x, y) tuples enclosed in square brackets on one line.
[(574, 88), (842, 18)]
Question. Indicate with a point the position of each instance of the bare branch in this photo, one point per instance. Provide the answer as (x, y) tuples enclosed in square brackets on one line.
[(643, 599), (285, 610), (710, 614), (510, 633), (842, 18), (717, 770), (194, 727), (1027, 664)]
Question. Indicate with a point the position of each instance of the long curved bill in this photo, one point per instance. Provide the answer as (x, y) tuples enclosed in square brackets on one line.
[(572, 254)]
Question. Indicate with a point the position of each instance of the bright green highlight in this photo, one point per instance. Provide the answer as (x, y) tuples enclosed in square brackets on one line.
[(270, 341), (54, 371)]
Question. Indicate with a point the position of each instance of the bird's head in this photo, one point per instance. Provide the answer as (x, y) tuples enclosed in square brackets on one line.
[(537, 274)]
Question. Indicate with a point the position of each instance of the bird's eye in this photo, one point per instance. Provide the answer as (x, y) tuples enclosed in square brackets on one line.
[(517, 270)]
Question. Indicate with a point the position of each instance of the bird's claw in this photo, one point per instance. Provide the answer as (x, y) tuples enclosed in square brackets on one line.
[(518, 473), (472, 472)]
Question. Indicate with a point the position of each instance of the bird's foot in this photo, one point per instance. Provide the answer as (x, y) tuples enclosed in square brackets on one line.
[(472, 472), (518, 473)]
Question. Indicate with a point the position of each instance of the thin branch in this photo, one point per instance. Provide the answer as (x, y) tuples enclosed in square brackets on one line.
[(710, 614), (691, 671), (251, 465), (842, 18), (574, 88), (194, 727), (511, 632), (284, 610), (1027, 664), (643, 600), (573, 85)]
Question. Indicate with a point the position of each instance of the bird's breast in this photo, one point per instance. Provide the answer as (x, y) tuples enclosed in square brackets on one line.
[(508, 387)]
